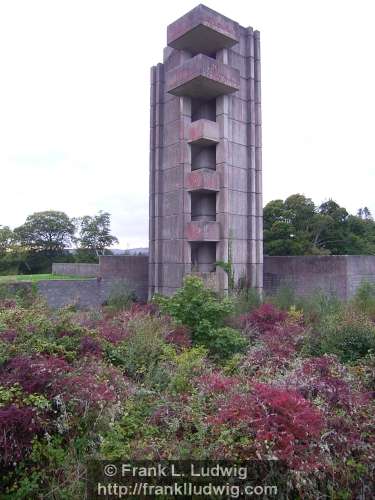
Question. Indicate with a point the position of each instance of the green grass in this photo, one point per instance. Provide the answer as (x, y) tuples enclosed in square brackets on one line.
[(39, 277)]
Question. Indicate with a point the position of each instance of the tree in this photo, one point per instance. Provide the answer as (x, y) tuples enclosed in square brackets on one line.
[(297, 227), (6, 239), (364, 213), (291, 227), (50, 232), (94, 232)]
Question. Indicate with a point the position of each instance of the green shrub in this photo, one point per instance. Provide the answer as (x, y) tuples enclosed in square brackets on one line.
[(225, 342), (144, 355), (349, 335), (319, 305), (190, 363), (204, 312), (364, 298), (194, 303)]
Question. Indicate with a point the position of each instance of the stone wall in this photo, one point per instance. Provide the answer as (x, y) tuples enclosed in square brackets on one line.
[(79, 269), (334, 274)]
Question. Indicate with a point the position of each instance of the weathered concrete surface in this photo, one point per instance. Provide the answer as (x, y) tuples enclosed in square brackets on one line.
[(221, 87), (84, 294), (334, 274), (79, 269), (203, 77), (131, 268), (203, 231), (202, 30), (202, 180), (203, 132)]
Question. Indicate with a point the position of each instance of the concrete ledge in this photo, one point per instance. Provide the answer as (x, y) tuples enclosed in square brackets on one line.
[(202, 30), (202, 180), (203, 231), (204, 132), (202, 77)]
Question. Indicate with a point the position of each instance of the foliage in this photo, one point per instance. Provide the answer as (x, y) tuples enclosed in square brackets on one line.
[(364, 299), (94, 232), (297, 227), (45, 238), (121, 295), (204, 312), (136, 383), (6, 239), (49, 231), (348, 335)]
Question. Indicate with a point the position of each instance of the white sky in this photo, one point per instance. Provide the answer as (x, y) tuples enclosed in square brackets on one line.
[(74, 103)]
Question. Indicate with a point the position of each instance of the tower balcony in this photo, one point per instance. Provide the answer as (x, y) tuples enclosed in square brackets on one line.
[(202, 30), (202, 180), (202, 77), (202, 231), (204, 132)]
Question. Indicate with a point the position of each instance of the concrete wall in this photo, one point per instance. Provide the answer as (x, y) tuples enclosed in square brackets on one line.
[(111, 271), (131, 268), (334, 274), (85, 294), (78, 269)]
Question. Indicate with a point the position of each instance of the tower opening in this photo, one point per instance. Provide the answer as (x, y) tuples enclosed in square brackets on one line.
[(202, 108)]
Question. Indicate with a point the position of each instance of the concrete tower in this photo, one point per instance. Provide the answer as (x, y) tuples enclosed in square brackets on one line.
[(205, 159)]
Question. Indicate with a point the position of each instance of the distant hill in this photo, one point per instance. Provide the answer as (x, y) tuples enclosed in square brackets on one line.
[(130, 251), (120, 251)]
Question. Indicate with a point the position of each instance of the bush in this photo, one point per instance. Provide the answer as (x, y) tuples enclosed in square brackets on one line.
[(224, 342), (204, 312), (350, 336), (319, 305), (143, 353), (194, 303), (262, 319), (364, 298)]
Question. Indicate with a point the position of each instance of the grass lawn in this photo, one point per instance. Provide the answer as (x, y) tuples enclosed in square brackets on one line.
[(39, 277)]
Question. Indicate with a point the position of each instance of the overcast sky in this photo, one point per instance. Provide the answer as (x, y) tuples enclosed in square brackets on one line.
[(74, 103)]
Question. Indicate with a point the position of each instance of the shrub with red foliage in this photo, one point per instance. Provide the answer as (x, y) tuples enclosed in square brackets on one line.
[(216, 382), (281, 422), (18, 427), (8, 304), (276, 349), (180, 336), (264, 318), (90, 347), (326, 379), (84, 391), (349, 411), (8, 335), (136, 310), (35, 374), (112, 332)]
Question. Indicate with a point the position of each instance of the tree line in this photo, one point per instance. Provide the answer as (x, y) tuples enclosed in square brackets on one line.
[(296, 226), (48, 236)]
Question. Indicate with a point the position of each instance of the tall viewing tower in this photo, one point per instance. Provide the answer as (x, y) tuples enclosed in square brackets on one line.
[(205, 158)]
